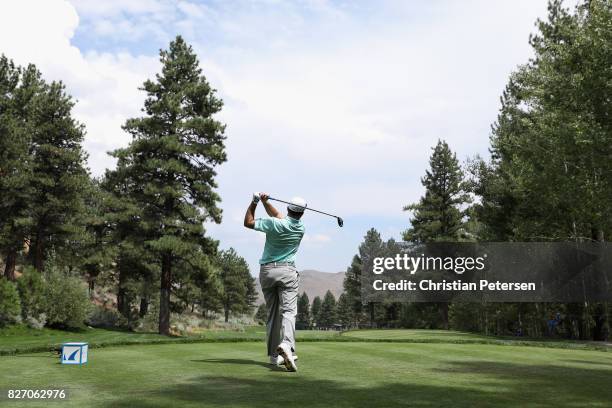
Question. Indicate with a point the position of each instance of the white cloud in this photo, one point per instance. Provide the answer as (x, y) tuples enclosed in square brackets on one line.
[(105, 85)]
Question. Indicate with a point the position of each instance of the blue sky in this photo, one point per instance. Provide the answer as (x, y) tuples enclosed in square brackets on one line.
[(338, 102)]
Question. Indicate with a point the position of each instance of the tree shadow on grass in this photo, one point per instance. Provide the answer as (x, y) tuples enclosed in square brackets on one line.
[(299, 392), (559, 385), (491, 384)]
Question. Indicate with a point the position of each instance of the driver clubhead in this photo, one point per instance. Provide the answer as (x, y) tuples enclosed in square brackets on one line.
[(340, 222)]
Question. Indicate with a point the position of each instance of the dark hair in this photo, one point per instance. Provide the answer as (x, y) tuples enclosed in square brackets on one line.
[(293, 214)]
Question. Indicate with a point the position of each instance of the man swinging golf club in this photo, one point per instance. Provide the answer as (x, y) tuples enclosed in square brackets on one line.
[(278, 275)]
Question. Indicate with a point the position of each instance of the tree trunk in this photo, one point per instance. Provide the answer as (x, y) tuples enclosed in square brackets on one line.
[(122, 303), (604, 326), (144, 307), (9, 267), (226, 315), (37, 256), (164, 296), (444, 314)]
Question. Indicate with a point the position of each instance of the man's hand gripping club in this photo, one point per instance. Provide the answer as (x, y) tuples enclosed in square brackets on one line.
[(249, 217)]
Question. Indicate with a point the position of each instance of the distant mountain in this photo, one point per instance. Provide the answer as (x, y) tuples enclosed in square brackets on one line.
[(314, 283)]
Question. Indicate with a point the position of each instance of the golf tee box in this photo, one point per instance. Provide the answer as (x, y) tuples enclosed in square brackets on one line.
[(74, 353)]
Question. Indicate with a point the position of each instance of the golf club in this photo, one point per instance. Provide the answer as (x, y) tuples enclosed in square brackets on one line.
[(340, 220)]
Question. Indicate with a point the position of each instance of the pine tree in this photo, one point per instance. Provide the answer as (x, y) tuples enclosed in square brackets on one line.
[(59, 179), (327, 315), (316, 311), (18, 88), (238, 294), (345, 311), (371, 247), (171, 164), (438, 216), (303, 312), (135, 268)]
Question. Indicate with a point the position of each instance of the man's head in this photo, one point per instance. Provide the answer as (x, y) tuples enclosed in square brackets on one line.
[(296, 208)]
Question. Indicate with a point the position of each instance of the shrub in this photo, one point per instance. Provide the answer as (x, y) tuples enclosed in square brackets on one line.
[(150, 322), (36, 322), (31, 291), (10, 307), (108, 318), (67, 301)]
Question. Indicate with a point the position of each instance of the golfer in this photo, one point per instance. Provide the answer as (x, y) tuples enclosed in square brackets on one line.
[(278, 275)]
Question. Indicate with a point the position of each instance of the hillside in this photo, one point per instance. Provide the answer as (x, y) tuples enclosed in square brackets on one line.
[(315, 283)]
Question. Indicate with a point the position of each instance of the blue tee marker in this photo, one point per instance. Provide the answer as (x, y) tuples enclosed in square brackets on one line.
[(74, 353)]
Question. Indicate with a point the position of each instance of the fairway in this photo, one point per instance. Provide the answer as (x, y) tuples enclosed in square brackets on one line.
[(340, 374)]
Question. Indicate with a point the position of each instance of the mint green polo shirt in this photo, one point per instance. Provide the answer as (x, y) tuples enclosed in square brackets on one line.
[(283, 237)]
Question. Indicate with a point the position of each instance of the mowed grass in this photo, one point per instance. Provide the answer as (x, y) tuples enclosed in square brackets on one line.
[(332, 374)]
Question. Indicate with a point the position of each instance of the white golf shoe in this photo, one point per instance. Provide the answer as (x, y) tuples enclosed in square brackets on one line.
[(284, 351), (279, 360)]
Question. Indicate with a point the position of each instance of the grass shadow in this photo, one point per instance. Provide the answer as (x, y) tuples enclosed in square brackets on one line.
[(563, 386), (294, 391), (492, 384)]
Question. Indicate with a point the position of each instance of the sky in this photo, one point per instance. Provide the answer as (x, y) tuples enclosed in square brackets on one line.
[(337, 102)]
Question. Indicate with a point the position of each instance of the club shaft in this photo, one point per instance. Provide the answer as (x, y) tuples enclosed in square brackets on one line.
[(306, 208)]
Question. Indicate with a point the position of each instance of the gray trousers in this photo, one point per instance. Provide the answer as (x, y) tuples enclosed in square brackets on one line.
[(280, 288)]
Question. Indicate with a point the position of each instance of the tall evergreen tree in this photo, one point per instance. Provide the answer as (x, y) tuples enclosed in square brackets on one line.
[(60, 179), (371, 247), (316, 310), (238, 293), (171, 161), (135, 268), (302, 320), (438, 216), (327, 315), (18, 88), (344, 311)]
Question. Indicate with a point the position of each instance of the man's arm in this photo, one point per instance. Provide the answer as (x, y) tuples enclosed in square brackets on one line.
[(270, 209), (249, 217)]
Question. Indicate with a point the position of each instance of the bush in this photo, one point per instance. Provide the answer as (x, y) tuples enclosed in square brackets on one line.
[(67, 301), (107, 318), (150, 322), (31, 291), (36, 322), (10, 307)]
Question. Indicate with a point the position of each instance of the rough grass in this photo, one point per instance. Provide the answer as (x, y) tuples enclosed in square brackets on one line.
[(332, 374)]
